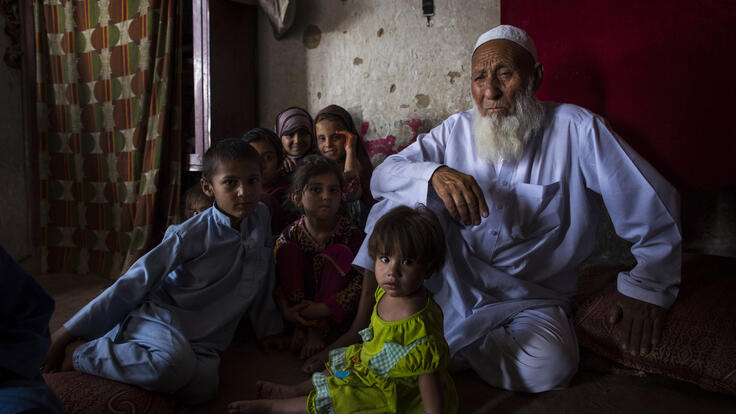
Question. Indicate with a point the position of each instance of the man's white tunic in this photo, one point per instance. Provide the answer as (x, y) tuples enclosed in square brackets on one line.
[(543, 218)]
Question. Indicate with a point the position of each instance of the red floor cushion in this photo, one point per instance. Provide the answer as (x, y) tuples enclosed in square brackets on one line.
[(82, 393), (699, 338)]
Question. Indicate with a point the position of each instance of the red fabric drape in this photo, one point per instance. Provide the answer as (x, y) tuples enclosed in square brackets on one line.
[(659, 71)]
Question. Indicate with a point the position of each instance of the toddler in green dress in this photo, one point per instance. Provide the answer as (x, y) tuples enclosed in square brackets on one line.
[(402, 364)]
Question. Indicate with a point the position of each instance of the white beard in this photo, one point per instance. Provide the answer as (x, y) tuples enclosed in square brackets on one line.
[(504, 137)]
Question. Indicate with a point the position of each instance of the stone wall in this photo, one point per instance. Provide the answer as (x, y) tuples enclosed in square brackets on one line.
[(376, 58)]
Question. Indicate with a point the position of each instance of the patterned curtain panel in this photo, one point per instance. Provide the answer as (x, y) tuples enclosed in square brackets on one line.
[(109, 127)]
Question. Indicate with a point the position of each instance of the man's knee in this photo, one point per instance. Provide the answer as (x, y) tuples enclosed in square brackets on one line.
[(548, 370), (546, 349), (536, 352)]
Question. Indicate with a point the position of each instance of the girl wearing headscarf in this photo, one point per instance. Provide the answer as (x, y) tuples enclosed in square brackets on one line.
[(295, 129), (338, 139)]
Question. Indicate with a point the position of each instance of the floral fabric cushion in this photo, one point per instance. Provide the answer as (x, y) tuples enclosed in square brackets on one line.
[(81, 393), (699, 338)]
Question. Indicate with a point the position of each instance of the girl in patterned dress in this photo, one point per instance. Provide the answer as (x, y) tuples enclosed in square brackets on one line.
[(402, 364), (317, 289)]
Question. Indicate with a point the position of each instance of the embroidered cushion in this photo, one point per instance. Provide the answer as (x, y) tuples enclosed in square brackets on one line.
[(699, 338), (82, 393)]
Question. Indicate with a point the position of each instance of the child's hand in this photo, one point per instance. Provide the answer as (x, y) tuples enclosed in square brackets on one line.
[(315, 310), (288, 165), (55, 355), (293, 314), (433, 397), (350, 140), (316, 362)]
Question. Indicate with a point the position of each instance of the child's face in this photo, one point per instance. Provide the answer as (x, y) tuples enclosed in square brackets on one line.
[(298, 143), (236, 187), (331, 145), (269, 160), (197, 207), (399, 276), (321, 197)]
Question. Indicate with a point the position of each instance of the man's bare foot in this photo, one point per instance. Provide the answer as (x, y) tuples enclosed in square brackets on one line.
[(249, 406), (272, 391), (298, 339), (315, 343), (68, 363)]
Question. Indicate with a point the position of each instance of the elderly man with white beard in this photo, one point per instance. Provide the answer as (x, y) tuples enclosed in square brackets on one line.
[(514, 182)]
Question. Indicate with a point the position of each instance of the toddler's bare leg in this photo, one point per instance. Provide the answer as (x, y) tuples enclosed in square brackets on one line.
[(272, 391), (290, 406)]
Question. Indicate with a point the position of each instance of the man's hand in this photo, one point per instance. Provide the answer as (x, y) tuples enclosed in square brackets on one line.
[(636, 325), (461, 195)]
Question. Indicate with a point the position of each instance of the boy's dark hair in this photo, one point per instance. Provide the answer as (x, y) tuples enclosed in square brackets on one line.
[(311, 166), (194, 194), (263, 134), (412, 233), (229, 149), (330, 117)]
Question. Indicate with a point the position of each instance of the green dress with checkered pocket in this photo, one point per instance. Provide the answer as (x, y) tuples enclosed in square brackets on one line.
[(381, 374)]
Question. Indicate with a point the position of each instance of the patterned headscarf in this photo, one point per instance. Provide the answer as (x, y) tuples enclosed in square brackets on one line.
[(291, 120), (366, 167)]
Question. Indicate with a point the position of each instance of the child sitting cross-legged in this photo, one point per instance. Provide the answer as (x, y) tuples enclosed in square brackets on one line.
[(318, 289), (402, 364), (163, 323)]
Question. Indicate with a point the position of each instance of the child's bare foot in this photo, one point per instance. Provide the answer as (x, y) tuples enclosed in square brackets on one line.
[(249, 406), (298, 339), (315, 343), (68, 363), (272, 391)]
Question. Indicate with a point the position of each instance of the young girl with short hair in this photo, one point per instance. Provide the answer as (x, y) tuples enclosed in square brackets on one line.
[(402, 364), (317, 288), (338, 140)]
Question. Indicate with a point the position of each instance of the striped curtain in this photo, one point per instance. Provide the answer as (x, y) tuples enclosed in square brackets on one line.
[(109, 128)]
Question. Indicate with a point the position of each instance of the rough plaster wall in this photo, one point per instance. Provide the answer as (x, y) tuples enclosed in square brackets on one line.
[(13, 205), (376, 58)]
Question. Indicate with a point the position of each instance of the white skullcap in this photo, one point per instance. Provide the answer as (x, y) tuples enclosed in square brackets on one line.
[(511, 33)]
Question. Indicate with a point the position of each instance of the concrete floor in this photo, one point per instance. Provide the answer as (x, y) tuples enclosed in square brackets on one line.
[(590, 391)]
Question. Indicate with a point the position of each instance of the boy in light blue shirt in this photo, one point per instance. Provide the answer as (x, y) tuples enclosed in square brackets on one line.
[(163, 323)]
